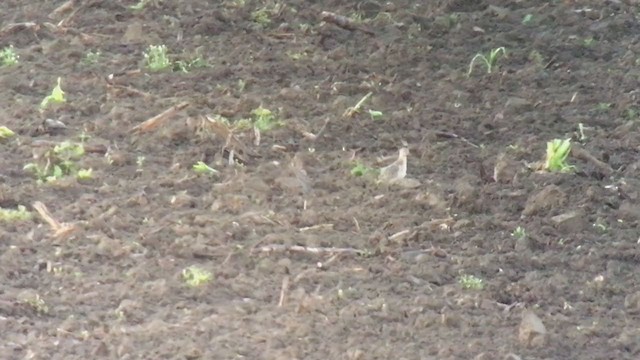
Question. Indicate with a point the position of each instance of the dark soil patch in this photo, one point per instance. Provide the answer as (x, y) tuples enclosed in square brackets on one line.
[(114, 287)]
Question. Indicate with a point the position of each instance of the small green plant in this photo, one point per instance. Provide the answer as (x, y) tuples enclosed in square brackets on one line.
[(8, 56), (470, 282), (56, 96), (58, 162), (6, 133), (195, 276), (156, 58), (588, 42), (490, 59), (11, 215), (519, 233), (187, 65), (603, 106), (92, 57), (140, 5), (261, 17), (264, 119), (202, 168), (84, 174), (140, 163), (375, 115), (38, 304), (360, 169), (557, 152), (527, 19)]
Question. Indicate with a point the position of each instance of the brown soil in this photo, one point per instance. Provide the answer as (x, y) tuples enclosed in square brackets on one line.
[(113, 286)]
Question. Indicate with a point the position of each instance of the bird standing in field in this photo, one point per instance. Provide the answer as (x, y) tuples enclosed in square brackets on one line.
[(396, 170)]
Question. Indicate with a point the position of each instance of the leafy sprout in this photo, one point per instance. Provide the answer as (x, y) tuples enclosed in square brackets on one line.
[(84, 174), (195, 276), (92, 57), (264, 119), (557, 152), (519, 233), (19, 214), (490, 59), (361, 170), (59, 162), (156, 58), (6, 133), (375, 114), (8, 56), (202, 168), (56, 96), (470, 282)]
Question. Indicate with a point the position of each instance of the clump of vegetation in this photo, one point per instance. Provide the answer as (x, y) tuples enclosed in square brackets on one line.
[(6, 133), (264, 119), (557, 152), (470, 282), (11, 215), (519, 233), (195, 276), (60, 162), (140, 5), (38, 304), (359, 170), (490, 60), (92, 57), (157, 58), (187, 65), (8, 56), (56, 96)]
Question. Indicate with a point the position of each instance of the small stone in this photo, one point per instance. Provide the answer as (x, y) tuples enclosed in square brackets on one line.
[(549, 197), (532, 331), (570, 222)]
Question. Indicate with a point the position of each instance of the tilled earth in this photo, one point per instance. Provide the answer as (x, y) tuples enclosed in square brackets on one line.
[(480, 256)]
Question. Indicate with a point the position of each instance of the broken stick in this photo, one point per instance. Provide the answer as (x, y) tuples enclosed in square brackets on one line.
[(160, 119)]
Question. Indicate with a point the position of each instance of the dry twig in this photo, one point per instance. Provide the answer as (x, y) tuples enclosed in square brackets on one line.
[(59, 229), (311, 249), (160, 119)]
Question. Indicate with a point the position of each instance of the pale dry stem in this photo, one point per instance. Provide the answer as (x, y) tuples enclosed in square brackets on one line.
[(60, 230), (158, 120)]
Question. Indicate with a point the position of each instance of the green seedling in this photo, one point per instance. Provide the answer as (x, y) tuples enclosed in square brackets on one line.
[(527, 19), (470, 282), (187, 65), (202, 168), (261, 17), (264, 119), (140, 5), (588, 42), (140, 163), (361, 170), (38, 304), (195, 276), (56, 96), (490, 59), (58, 162), (603, 106), (92, 57), (11, 215), (557, 152), (156, 58), (84, 174), (375, 115), (6, 133), (519, 233), (8, 56)]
